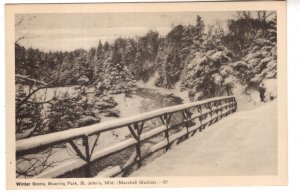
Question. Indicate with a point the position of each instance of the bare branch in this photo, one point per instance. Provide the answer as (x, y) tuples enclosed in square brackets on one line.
[(19, 39), (29, 96), (23, 77), (20, 21)]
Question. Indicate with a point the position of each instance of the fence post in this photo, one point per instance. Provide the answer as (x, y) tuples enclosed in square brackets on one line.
[(136, 132), (235, 104), (86, 157), (88, 168), (165, 119), (186, 117), (199, 108), (210, 113)]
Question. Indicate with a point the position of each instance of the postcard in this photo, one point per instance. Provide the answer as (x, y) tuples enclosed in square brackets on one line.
[(143, 95)]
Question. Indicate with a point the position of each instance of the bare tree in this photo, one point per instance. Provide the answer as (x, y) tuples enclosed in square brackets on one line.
[(19, 24), (244, 15), (264, 15)]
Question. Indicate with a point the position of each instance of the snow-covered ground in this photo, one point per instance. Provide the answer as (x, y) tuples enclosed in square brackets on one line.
[(252, 100), (127, 107), (244, 143), (176, 91)]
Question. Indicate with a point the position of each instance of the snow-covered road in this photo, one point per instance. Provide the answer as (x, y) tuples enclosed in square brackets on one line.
[(244, 143)]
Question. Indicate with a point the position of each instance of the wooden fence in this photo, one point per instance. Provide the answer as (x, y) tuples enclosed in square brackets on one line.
[(194, 118)]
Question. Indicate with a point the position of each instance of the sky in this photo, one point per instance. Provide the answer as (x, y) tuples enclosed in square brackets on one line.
[(70, 31)]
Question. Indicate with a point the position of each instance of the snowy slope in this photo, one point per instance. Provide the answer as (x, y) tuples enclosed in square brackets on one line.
[(176, 91), (240, 144)]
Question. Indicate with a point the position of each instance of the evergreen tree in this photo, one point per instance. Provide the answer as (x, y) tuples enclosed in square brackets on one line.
[(198, 32), (99, 50)]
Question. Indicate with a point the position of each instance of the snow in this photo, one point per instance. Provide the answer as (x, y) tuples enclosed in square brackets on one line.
[(55, 171), (256, 79), (228, 81), (255, 48), (109, 172), (263, 42), (48, 93), (264, 61), (240, 64), (176, 91), (125, 143), (108, 141), (272, 63), (217, 78), (127, 107), (216, 56), (250, 56), (198, 60), (27, 78), (83, 80), (112, 148), (240, 144), (225, 70), (25, 133), (254, 62), (267, 48), (210, 52), (63, 157), (271, 88), (244, 101)]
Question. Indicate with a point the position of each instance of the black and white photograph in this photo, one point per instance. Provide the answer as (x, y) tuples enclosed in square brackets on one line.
[(146, 94)]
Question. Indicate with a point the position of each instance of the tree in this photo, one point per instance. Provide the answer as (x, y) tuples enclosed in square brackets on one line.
[(99, 50), (257, 55), (198, 32), (202, 76), (21, 22)]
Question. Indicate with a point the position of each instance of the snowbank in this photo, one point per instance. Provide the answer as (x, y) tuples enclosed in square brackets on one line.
[(271, 88)]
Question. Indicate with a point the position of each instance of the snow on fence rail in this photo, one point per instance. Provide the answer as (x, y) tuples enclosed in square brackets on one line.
[(207, 112)]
